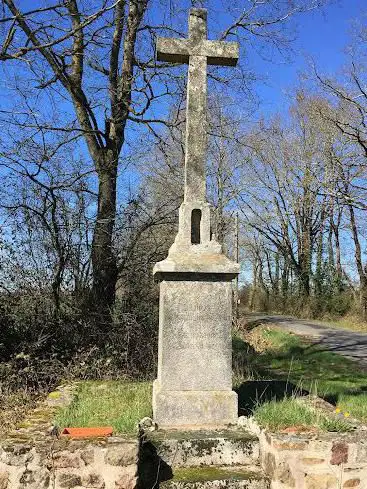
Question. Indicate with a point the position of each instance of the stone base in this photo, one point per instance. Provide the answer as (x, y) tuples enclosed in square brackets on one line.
[(173, 409), (203, 448)]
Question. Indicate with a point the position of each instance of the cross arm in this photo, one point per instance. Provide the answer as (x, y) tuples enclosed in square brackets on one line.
[(221, 53), (173, 50)]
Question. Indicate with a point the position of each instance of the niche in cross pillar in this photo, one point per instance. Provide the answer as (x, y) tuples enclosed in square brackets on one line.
[(195, 226)]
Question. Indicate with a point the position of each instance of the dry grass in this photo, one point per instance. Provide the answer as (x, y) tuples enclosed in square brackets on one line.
[(14, 408), (354, 323)]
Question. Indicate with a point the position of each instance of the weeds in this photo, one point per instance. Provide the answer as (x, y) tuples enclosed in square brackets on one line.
[(113, 403), (290, 412)]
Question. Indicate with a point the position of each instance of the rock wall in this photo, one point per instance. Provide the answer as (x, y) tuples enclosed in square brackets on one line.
[(31, 457), (60, 464), (330, 461)]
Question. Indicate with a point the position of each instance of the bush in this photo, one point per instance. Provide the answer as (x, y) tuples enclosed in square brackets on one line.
[(39, 349)]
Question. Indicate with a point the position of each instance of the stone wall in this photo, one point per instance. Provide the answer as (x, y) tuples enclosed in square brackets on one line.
[(61, 464), (31, 457), (330, 461)]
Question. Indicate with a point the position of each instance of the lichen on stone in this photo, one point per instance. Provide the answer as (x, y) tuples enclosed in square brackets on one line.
[(211, 473)]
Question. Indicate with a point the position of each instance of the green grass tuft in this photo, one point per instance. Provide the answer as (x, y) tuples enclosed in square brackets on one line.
[(113, 403), (278, 415), (295, 360)]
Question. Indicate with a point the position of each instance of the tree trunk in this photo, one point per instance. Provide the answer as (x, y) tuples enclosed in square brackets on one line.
[(339, 271), (253, 289), (285, 283), (359, 263), (103, 257)]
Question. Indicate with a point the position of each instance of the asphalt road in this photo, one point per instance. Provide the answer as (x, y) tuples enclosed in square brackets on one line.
[(342, 341)]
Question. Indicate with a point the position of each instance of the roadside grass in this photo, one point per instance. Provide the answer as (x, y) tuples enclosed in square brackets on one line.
[(348, 322), (119, 404), (264, 353), (295, 361), (289, 412)]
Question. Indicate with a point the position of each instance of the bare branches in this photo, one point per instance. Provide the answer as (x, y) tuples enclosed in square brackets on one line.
[(114, 57), (260, 17), (20, 18)]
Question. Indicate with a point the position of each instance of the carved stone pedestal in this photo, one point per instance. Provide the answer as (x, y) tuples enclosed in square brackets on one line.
[(194, 384)]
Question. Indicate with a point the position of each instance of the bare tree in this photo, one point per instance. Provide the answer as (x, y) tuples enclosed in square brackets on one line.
[(47, 205), (96, 59)]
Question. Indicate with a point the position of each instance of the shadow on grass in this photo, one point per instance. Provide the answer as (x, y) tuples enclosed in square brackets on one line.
[(256, 392), (295, 368)]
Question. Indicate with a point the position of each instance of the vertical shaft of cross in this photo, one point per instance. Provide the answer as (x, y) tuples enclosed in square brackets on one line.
[(196, 130), (196, 121)]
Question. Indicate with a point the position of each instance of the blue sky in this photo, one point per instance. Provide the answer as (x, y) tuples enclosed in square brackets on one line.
[(322, 35)]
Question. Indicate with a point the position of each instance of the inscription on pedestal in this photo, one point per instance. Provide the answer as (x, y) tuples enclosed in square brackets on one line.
[(195, 339), (199, 327)]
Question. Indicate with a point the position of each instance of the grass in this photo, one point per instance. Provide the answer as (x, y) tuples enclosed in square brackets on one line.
[(118, 404), (287, 358), (289, 412), (295, 361), (14, 407), (348, 322)]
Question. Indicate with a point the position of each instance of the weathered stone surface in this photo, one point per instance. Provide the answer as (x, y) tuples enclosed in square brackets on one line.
[(194, 359), (291, 444), (93, 480), (122, 455), (339, 453), (202, 448), (284, 475), (194, 408), (312, 460), (69, 480), (34, 479), (4, 479), (248, 477), (87, 456), (195, 338), (269, 464), (361, 453), (17, 455), (64, 460), (321, 481), (197, 51), (352, 483), (127, 479)]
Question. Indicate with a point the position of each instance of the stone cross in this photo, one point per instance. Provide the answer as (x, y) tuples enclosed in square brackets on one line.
[(194, 378), (196, 51)]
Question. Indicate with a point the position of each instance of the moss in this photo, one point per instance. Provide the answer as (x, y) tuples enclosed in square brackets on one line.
[(18, 438), (208, 473), (195, 436), (25, 424), (54, 395), (42, 413)]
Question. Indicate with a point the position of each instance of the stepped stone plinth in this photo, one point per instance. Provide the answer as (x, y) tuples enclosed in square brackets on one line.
[(217, 478), (201, 460)]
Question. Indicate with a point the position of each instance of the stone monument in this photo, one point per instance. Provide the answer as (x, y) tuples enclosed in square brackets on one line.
[(194, 383)]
